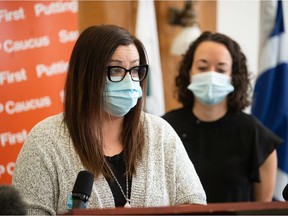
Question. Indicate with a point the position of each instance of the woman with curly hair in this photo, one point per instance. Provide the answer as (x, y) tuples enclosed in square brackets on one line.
[(233, 153)]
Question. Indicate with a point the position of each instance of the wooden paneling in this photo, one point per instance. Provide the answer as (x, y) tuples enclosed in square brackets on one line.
[(123, 13), (207, 15), (206, 11), (169, 63)]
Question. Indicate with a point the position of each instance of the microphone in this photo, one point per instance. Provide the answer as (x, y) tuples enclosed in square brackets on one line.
[(82, 189), (11, 202), (285, 193)]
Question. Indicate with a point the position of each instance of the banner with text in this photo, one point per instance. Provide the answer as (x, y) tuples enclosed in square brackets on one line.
[(36, 41)]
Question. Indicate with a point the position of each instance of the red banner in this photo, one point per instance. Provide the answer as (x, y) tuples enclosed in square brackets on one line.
[(36, 40)]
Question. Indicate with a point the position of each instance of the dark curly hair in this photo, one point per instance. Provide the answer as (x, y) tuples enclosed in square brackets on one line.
[(238, 99)]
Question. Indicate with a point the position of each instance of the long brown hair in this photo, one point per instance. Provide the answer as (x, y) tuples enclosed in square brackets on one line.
[(83, 107), (238, 99)]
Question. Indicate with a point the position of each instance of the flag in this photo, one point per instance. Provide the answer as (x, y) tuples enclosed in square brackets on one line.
[(270, 97), (146, 31)]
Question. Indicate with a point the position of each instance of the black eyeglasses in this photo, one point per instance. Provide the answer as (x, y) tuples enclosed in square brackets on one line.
[(117, 73)]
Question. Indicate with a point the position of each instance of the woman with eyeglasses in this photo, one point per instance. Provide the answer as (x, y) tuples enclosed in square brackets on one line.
[(137, 159)]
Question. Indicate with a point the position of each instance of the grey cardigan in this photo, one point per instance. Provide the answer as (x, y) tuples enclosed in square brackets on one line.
[(47, 167)]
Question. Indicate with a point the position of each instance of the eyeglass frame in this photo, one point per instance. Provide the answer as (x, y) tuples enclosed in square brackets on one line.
[(126, 71)]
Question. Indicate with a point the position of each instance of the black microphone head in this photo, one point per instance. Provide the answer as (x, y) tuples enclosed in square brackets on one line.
[(11, 202), (83, 183), (285, 193)]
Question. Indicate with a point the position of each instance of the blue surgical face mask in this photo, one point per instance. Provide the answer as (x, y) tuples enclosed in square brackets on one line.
[(120, 97), (210, 88)]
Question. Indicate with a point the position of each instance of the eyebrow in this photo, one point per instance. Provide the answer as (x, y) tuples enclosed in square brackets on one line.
[(201, 61), (223, 63), (119, 61), (219, 64)]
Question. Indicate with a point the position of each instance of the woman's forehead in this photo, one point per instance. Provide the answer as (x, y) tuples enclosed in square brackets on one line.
[(212, 52)]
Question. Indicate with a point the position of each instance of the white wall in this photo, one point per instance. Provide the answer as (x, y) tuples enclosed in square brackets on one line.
[(240, 20)]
